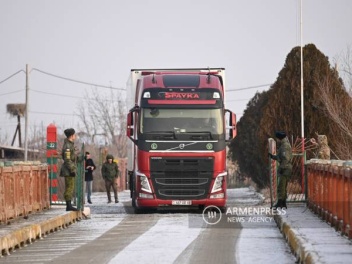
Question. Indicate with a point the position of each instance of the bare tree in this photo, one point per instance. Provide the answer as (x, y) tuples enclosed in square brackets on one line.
[(338, 107), (104, 114), (344, 66)]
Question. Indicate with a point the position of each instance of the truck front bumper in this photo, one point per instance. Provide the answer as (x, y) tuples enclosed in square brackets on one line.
[(158, 203)]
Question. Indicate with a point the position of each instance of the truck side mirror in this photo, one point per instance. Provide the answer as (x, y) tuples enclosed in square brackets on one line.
[(130, 123), (129, 130), (233, 130), (231, 127)]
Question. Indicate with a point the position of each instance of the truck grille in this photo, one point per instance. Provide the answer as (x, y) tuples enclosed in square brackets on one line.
[(181, 178)]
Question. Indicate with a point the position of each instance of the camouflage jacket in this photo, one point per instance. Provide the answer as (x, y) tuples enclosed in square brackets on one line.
[(284, 155), (69, 157), (110, 171)]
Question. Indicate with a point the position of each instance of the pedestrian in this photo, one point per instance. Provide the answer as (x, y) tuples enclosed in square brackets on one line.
[(284, 157), (88, 175), (110, 172), (68, 169)]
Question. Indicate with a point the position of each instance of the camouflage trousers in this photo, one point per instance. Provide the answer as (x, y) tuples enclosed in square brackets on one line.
[(69, 188), (283, 178), (108, 185)]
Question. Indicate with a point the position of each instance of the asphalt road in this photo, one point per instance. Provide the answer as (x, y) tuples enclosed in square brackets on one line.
[(114, 234)]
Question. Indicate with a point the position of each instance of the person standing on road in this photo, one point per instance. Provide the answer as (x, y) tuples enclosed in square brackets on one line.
[(88, 175), (110, 172), (284, 157), (68, 169)]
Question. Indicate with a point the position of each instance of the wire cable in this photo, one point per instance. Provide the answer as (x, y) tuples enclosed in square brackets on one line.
[(237, 100), (76, 81), (12, 92), (250, 87), (63, 95), (70, 96), (47, 113), (12, 76)]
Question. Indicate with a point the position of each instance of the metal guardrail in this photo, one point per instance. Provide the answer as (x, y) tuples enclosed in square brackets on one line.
[(23, 190), (330, 192)]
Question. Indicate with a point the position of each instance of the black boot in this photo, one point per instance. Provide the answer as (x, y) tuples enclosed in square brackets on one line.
[(284, 204), (69, 206), (89, 201), (109, 197), (278, 204)]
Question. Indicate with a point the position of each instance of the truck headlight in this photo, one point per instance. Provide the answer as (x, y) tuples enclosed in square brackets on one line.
[(218, 182), (145, 186)]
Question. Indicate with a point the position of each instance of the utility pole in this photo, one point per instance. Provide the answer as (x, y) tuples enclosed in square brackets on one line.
[(26, 116), (302, 100)]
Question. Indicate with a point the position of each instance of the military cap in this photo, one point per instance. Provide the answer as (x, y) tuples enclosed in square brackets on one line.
[(69, 132), (280, 134)]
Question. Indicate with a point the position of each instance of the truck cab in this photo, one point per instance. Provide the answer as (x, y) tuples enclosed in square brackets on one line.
[(178, 127)]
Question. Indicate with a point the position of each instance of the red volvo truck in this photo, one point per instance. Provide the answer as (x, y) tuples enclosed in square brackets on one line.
[(178, 126)]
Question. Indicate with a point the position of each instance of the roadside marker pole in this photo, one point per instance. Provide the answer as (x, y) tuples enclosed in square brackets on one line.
[(51, 155)]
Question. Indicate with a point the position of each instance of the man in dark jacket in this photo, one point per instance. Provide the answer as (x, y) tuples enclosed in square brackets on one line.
[(88, 175), (110, 172), (284, 157), (68, 169)]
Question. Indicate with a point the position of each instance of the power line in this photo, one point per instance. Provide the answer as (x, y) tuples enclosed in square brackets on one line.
[(237, 100), (71, 96), (11, 76), (47, 113), (12, 92), (81, 82), (63, 95), (249, 87)]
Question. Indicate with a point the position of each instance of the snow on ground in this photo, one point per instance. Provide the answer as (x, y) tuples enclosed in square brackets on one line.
[(258, 242), (263, 245), (171, 230)]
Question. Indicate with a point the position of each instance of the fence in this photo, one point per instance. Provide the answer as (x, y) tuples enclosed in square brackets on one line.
[(330, 192), (98, 182), (23, 190)]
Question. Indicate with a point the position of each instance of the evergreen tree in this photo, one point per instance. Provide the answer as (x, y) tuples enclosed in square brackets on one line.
[(280, 109)]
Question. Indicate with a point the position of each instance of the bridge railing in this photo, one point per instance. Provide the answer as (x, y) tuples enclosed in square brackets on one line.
[(330, 192), (23, 190)]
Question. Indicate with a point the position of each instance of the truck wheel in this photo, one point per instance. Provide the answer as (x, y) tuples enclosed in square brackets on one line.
[(223, 209)]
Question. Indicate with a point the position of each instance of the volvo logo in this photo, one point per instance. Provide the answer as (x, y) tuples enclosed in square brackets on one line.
[(209, 146), (154, 146), (182, 146)]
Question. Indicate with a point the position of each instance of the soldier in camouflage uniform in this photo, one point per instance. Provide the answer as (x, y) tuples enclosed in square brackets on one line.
[(110, 172), (284, 157), (68, 169), (324, 149)]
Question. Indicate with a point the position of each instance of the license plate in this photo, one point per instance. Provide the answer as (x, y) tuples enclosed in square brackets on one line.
[(181, 202)]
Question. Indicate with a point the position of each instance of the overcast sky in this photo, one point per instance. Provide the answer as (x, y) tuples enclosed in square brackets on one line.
[(100, 41)]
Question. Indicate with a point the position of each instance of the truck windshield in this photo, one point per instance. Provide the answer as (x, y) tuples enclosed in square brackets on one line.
[(154, 120)]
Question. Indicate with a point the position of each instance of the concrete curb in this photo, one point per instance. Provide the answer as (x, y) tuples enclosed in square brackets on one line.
[(301, 248), (27, 234)]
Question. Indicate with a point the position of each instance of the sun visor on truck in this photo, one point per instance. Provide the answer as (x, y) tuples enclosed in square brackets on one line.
[(201, 97)]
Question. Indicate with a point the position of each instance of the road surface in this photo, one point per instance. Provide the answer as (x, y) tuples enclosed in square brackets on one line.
[(114, 234)]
